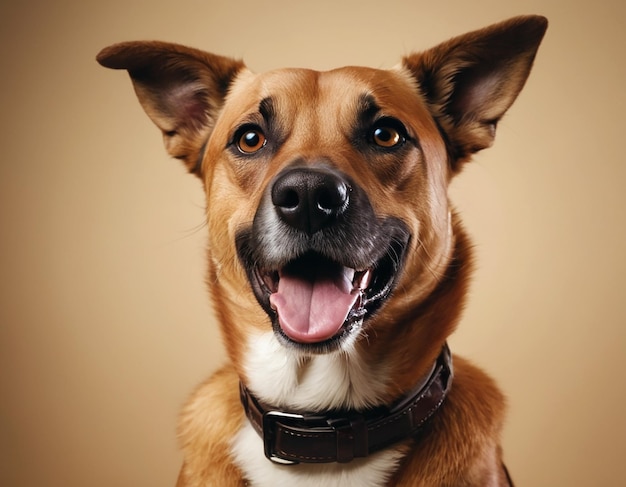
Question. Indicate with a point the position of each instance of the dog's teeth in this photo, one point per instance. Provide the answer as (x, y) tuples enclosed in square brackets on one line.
[(348, 274), (362, 279)]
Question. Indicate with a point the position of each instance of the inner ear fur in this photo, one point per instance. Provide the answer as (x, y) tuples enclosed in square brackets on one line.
[(470, 81), (181, 89)]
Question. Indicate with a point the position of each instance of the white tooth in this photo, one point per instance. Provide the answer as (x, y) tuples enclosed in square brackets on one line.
[(348, 274), (365, 279)]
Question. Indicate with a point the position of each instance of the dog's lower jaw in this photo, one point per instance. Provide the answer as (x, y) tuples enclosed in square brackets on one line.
[(373, 471)]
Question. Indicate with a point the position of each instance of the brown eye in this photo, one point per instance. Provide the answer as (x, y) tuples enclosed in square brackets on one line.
[(388, 133), (251, 140), (387, 137)]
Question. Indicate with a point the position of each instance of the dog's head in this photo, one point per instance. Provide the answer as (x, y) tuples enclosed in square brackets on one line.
[(327, 191)]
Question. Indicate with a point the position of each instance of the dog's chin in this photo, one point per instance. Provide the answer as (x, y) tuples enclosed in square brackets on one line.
[(318, 304)]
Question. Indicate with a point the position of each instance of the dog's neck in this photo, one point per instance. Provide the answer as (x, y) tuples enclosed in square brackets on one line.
[(340, 436)]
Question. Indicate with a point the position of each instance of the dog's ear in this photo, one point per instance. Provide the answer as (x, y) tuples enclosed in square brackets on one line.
[(181, 89), (470, 81)]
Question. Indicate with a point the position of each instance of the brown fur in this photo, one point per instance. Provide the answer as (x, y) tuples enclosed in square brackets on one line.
[(451, 98)]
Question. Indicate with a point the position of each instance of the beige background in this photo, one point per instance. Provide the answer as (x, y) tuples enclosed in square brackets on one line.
[(105, 326)]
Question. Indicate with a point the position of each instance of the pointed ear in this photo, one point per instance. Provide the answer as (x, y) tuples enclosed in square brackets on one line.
[(470, 81), (181, 89)]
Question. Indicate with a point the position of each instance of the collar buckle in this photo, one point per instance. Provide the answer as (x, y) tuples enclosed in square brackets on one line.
[(270, 421)]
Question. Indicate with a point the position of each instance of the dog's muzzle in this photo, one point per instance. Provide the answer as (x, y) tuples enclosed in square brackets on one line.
[(319, 260)]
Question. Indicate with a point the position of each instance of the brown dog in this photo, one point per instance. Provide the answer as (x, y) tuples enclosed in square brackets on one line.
[(336, 265)]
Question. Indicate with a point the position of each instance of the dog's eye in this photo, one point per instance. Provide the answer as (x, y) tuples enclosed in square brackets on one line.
[(388, 133), (250, 140)]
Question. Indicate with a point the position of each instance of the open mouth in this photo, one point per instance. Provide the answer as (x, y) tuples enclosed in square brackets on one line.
[(314, 298), (316, 302)]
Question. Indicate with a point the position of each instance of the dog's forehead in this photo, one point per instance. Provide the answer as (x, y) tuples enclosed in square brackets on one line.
[(340, 89)]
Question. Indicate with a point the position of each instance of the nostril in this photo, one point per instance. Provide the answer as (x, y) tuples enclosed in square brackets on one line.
[(332, 197), (288, 198)]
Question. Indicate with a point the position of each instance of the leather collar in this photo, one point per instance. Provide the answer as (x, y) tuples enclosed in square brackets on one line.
[(341, 436)]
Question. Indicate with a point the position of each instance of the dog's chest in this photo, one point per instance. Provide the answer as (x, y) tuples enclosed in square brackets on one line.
[(345, 379), (323, 382)]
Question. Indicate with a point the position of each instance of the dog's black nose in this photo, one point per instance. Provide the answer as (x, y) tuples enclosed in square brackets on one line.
[(310, 198)]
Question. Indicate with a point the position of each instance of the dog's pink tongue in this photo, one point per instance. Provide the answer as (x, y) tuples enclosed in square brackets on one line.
[(313, 308)]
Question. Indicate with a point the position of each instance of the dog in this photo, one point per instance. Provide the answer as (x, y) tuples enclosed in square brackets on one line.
[(336, 264)]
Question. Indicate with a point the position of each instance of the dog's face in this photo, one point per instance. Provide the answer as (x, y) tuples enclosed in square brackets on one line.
[(326, 191), (329, 184)]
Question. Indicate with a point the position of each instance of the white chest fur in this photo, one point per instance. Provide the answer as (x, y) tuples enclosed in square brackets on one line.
[(289, 379), (342, 379)]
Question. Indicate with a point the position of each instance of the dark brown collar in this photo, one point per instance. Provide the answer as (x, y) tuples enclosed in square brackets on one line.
[(341, 436)]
